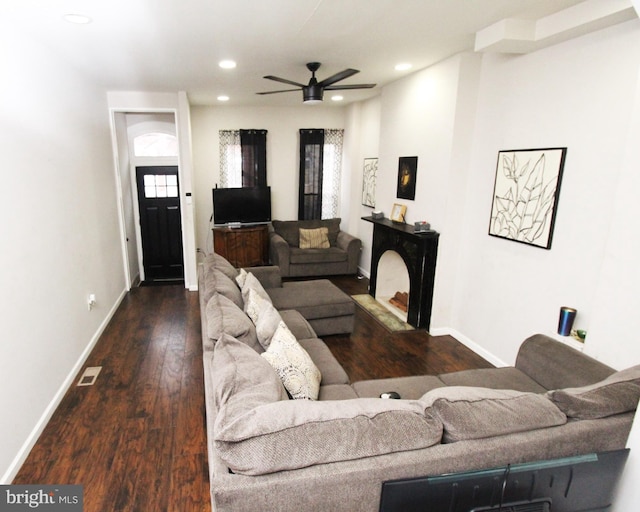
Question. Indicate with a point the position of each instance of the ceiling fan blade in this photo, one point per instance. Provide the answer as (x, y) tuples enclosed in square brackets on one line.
[(337, 77), (275, 92), (284, 80), (345, 87)]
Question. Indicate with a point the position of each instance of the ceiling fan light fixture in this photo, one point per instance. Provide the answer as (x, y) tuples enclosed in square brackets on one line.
[(312, 94)]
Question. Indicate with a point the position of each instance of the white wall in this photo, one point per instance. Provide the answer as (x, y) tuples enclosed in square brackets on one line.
[(575, 95), (283, 125), (60, 237)]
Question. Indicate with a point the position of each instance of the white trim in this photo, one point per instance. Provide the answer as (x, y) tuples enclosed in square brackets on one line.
[(469, 343), (31, 440)]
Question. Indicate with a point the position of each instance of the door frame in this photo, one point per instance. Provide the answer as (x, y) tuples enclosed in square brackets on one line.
[(180, 109)]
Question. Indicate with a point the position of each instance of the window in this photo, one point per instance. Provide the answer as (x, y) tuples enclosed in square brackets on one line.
[(243, 158), (160, 185), (155, 144), (320, 171)]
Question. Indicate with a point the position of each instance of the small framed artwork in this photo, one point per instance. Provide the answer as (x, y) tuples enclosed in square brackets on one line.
[(369, 173), (398, 212), (407, 170), (525, 195)]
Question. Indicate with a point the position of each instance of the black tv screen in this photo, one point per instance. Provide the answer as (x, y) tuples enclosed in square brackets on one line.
[(247, 205), (573, 484)]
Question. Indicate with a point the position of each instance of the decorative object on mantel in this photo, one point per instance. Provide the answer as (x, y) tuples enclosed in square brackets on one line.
[(422, 227), (525, 195), (398, 212), (407, 170), (377, 214), (369, 176), (565, 322)]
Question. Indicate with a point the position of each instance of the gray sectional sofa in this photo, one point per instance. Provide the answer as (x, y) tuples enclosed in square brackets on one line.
[(340, 255), (270, 452)]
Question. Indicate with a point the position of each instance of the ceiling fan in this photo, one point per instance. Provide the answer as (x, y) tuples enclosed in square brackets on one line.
[(313, 91)]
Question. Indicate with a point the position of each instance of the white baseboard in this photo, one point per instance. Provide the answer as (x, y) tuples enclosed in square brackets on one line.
[(469, 343), (22, 454)]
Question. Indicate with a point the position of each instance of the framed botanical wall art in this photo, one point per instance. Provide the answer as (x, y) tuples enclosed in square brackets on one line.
[(407, 170), (369, 174), (525, 195)]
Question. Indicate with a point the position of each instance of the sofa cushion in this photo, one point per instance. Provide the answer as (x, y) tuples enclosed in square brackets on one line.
[(290, 229), (495, 378), (337, 392), (215, 281), (242, 380), (317, 256), (476, 413), (297, 324), (225, 317), (214, 260), (297, 434), (314, 238), (616, 394), (546, 360), (292, 363), (330, 369), (409, 388), (255, 304)]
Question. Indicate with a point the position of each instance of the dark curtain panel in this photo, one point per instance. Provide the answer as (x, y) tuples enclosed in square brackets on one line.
[(310, 195), (254, 157)]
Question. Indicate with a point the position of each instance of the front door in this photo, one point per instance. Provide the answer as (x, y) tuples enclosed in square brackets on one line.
[(160, 223)]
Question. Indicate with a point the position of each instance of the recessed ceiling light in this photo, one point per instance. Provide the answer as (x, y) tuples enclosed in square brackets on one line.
[(77, 19), (227, 64), (337, 97), (403, 66), (223, 98)]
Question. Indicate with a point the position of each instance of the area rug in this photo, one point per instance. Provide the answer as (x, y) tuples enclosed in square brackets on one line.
[(380, 313)]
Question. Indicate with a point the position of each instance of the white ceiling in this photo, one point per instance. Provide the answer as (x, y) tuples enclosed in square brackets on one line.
[(171, 45)]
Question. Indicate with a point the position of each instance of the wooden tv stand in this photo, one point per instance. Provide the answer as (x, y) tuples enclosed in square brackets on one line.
[(246, 246)]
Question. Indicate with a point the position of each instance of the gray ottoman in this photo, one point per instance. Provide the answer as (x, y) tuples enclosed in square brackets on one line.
[(327, 308)]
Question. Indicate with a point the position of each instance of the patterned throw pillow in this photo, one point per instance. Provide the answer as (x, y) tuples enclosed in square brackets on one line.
[(314, 238), (293, 364)]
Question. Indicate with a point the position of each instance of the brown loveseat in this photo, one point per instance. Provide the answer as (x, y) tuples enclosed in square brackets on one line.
[(270, 452), (338, 255)]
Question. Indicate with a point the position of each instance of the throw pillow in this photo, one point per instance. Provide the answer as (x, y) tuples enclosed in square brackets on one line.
[(241, 277), (314, 238), (616, 394), (251, 283), (268, 321), (476, 413), (293, 364), (254, 304)]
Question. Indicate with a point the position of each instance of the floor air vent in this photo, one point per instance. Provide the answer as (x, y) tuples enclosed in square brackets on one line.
[(89, 376)]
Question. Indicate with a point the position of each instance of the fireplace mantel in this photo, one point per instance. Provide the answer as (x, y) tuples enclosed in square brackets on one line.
[(419, 252)]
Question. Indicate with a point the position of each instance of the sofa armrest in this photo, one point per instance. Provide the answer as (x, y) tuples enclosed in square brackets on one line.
[(352, 246), (279, 253), (554, 365), (269, 276)]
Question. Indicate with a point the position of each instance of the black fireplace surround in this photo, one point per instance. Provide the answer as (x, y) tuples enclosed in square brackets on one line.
[(419, 252)]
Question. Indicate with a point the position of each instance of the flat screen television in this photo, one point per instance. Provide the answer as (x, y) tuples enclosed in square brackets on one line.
[(247, 205), (582, 483)]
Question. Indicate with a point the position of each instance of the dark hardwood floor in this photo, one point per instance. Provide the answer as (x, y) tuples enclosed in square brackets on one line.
[(136, 439)]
